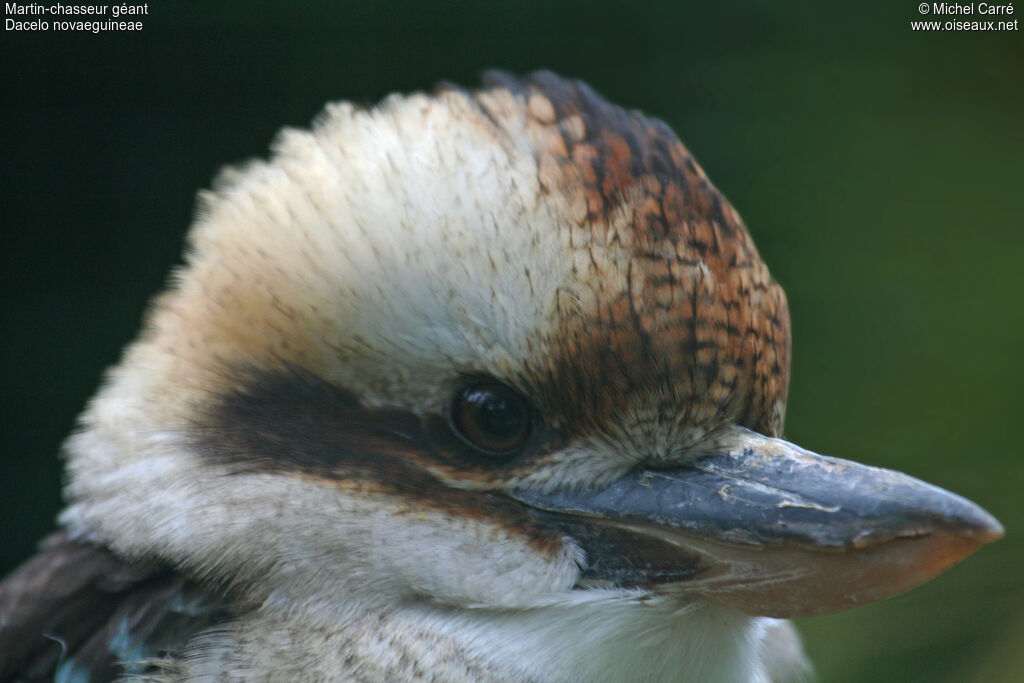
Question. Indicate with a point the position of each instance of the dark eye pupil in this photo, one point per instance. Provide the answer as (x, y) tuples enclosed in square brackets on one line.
[(491, 417), (499, 417)]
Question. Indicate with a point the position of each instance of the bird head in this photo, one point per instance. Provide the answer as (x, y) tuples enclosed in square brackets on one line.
[(486, 349)]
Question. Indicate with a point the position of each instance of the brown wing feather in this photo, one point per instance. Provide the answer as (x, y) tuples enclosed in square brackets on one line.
[(76, 607)]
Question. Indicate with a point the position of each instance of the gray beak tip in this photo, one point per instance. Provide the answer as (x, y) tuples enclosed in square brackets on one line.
[(913, 508), (982, 527)]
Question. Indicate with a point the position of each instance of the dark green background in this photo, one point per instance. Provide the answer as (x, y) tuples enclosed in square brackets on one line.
[(880, 170)]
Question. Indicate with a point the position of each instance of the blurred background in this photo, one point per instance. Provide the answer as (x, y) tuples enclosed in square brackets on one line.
[(881, 171)]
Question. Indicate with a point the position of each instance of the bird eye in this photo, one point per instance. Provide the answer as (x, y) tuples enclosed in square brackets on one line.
[(491, 417)]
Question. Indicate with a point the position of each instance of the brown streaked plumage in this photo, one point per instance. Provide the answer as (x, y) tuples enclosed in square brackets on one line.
[(668, 291), (290, 474)]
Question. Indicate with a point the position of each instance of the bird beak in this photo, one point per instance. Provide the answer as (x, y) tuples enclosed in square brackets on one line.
[(768, 527)]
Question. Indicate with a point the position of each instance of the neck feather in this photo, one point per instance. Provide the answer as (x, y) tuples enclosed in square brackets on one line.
[(596, 636)]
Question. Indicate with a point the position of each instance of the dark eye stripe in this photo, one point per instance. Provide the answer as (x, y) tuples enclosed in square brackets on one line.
[(288, 419), (491, 417)]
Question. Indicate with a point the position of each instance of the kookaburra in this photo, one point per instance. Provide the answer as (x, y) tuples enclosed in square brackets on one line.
[(470, 386)]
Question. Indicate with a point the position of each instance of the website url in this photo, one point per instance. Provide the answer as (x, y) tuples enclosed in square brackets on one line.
[(965, 25)]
